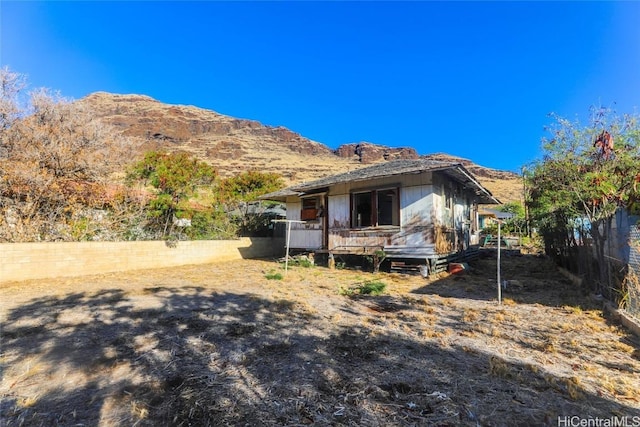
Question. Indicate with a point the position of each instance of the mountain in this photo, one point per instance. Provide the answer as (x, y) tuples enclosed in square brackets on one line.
[(506, 186), (234, 145)]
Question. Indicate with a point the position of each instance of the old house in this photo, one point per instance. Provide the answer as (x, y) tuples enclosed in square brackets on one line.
[(406, 208)]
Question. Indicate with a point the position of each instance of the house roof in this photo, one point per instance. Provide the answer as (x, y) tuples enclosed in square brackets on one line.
[(455, 171)]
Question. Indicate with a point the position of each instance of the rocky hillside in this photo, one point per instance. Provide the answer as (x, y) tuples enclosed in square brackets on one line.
[(233, 145), (365, 152), (228, 143), (505, 185)]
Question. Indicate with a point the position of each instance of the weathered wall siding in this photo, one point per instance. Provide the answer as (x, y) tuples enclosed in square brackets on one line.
[(309, 238), (441, 191), (457, 216), (356, 239), (461, 212), (416, 204), (339, 216), (437, 200), (293, 209), (303, 236), (460, 215), (414, 236), (417, 216), (24, 261)]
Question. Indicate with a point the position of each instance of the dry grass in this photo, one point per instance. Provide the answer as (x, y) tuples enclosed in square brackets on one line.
[(221, 344), (504, 189)]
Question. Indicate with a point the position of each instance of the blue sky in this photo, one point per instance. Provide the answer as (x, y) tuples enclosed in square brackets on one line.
[(473, 79)]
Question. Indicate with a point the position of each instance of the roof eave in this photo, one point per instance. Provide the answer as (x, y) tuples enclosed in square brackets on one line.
[(281, 195), (484, 195), (463, 175)]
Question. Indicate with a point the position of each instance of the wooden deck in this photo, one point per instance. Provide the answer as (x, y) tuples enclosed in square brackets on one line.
[(409, 259), (413, 259)]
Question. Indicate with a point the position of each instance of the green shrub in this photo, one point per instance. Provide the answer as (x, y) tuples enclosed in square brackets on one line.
[(301, 261), (369, 287), (272, 275), (372, 288)]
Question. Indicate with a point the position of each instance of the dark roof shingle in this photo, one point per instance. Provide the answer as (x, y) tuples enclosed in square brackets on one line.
[(395, 167)]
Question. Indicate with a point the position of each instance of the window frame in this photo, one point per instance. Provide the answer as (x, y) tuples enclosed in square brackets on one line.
[(311, 208), (374, 215)]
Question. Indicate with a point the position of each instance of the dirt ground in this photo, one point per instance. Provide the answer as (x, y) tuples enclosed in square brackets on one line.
[(221, 344)]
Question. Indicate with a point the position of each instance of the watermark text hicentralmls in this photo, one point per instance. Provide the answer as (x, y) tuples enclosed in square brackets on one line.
[(577, 421)]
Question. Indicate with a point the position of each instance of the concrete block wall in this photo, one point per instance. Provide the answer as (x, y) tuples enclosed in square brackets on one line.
[(25, 261)]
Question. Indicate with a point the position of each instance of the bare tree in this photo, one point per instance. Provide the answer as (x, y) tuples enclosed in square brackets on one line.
[(58, 163), (11, 86)]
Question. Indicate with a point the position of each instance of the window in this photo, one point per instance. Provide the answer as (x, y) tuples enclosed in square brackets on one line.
[(375, 208), (362, 210), (387, 203), (311, 209), (448, 207)]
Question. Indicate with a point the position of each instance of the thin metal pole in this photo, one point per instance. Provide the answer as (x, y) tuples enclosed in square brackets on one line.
[(499, 284), (286, 259), (288, 221)]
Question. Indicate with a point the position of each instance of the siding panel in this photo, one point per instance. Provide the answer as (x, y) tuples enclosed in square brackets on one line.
[(417, 217), (339, 206)]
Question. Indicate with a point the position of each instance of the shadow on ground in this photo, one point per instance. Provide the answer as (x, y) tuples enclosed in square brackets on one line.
[(187, 356), (531, 279)]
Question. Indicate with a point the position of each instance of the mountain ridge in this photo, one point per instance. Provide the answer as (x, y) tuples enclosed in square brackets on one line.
[(233, 145)]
